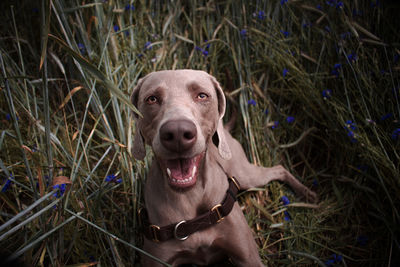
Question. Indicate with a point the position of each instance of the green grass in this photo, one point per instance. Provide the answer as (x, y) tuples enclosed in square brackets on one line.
[(66, 76)]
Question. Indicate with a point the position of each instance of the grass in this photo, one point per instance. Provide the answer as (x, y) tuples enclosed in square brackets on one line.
[(316, 85)]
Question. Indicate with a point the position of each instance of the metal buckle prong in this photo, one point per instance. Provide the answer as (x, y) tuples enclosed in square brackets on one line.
[(235, 182), (220, 217), (154, 229), (176, 235)]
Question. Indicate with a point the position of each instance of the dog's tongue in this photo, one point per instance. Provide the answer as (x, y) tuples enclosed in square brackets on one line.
[(180, 168), (182, 173)]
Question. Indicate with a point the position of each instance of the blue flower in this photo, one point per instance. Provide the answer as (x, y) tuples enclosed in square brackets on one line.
[(319, 7), (116, 28), (396, 134), (307, 24), (261, 15), (61, 190), (339, 5), (208, 45), (350, 124), (34, 148), (315, 182), (203, 51), (7, 185), (285, 33), (243, 33), (352, 57), (331, 2), (129, 7), (266, 111), (386, 116), (334, 259), (276, 125), (290, 119), (336, 69), (251, 102), (283, 2), (287, 216), (118, 181), (350, 128), (327, 29), (147, 46), (329, 262), (82, 48), (285, 72), (8, 116), (285, 200), (110, 177), (327, 93)]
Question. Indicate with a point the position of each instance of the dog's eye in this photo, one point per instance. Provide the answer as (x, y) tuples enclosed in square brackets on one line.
[(151, 99), (202, 96)]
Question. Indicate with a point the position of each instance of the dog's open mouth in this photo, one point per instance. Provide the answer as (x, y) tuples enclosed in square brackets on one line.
[(182, 172)]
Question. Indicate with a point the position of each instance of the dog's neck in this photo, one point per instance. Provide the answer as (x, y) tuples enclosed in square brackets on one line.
[(166, 205)]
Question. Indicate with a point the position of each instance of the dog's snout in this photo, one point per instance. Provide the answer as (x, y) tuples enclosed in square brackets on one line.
[(178, 135)]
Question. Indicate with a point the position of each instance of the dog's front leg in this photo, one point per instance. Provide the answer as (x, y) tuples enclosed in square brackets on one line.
[(250, 175), (255, 176)]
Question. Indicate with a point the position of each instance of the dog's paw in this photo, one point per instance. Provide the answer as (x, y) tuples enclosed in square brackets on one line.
[(309, 195)]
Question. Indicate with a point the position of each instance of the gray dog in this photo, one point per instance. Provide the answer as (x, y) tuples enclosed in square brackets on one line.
[(190, 192)]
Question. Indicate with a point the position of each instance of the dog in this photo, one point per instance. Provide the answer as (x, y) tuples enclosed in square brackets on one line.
[(198, 168)]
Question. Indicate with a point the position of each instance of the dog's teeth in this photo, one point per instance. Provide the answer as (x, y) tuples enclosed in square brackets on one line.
[(169, 172), (193, 171), (174, 180)]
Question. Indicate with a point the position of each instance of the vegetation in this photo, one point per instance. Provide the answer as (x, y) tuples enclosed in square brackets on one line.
[(315, 83)]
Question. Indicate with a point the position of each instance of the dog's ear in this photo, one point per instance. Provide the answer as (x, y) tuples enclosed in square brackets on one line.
[(223, 147), (138, 148)]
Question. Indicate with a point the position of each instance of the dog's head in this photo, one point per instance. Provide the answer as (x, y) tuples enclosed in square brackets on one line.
[(182, 110)]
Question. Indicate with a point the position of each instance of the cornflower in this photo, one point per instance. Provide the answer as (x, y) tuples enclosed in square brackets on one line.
[(327, 93), (285, 72), (61, 190), (396, 134), (7, 184), (251, 102), (129, 7), (290, 119)]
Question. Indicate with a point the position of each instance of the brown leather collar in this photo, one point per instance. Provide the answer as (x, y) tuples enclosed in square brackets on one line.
[(183, 229)]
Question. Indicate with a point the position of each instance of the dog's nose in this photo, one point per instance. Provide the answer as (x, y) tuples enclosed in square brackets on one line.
[(178, 135)]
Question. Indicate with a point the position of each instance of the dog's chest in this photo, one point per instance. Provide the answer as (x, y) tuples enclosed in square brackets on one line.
[(200, 250)]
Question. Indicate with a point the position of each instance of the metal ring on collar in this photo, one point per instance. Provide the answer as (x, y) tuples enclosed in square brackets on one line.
[(175, 234)]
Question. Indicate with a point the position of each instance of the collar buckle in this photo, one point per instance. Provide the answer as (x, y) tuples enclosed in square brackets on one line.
[(219, 215)]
